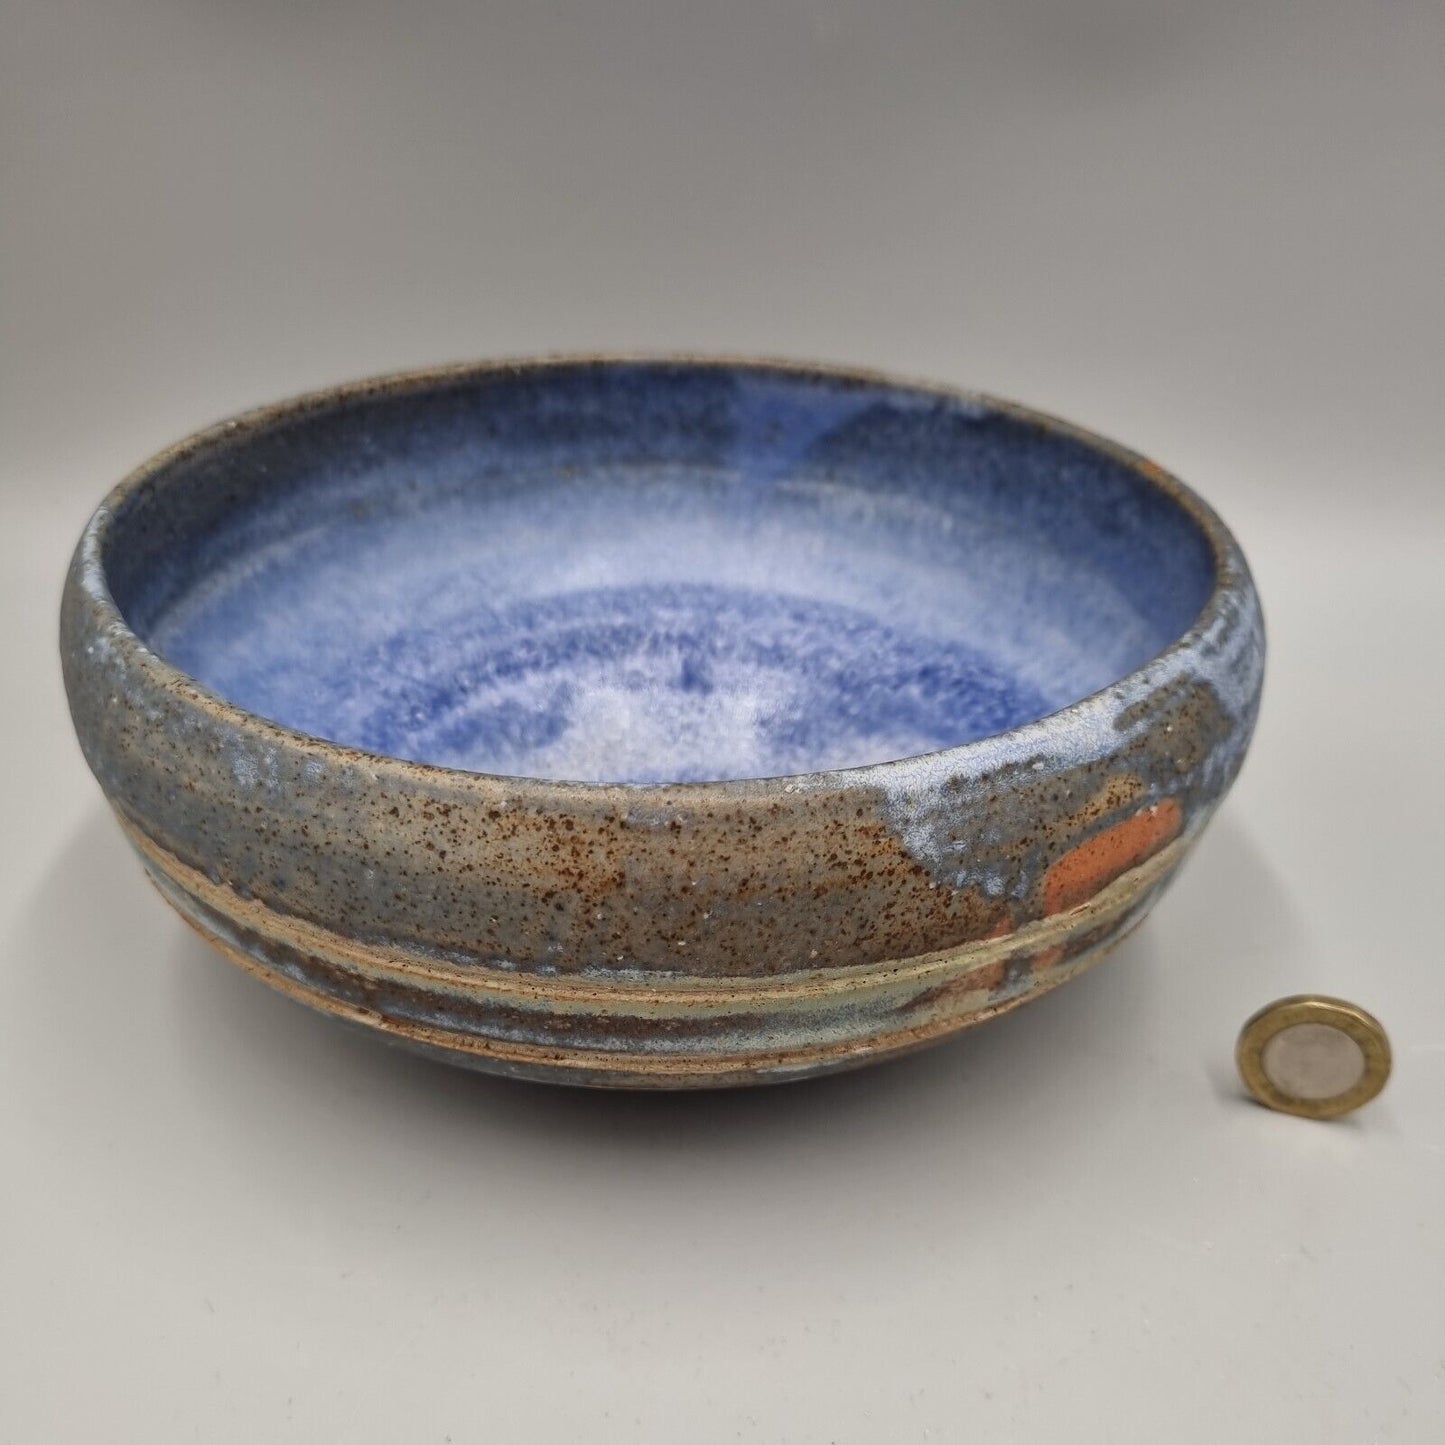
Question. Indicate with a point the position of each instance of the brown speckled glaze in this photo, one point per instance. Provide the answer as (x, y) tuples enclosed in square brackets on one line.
[(661, 935)]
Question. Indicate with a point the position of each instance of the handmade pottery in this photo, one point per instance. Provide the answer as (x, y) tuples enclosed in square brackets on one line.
[(659, 722)]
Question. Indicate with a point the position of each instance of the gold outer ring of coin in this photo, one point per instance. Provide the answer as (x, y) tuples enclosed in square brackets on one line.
[(1333, 1013)]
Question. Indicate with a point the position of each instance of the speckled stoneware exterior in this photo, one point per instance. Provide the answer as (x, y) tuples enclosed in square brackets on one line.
[(656, 933)]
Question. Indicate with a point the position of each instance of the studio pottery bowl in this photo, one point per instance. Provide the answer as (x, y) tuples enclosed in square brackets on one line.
[(659, 722)]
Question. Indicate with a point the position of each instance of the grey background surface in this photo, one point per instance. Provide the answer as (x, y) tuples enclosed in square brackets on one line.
[(1213, 231)]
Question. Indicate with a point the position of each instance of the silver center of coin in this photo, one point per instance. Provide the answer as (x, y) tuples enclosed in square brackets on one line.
[(1313, 1061)]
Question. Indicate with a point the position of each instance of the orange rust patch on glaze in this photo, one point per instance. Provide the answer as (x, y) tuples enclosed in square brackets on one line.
[(1081, 872)]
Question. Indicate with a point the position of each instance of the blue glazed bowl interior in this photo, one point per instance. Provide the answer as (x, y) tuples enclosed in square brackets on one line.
[(635, 572)]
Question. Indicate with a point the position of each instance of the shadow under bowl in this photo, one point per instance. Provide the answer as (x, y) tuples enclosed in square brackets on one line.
[(659, 722)]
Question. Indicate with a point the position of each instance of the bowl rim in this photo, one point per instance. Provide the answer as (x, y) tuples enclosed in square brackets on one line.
[(1231, 575)]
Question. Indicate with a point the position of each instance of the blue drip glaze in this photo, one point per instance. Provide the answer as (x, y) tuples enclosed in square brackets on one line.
[(656, 572)]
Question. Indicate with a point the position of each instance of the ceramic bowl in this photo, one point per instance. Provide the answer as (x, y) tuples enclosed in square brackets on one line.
[(659, 722)]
